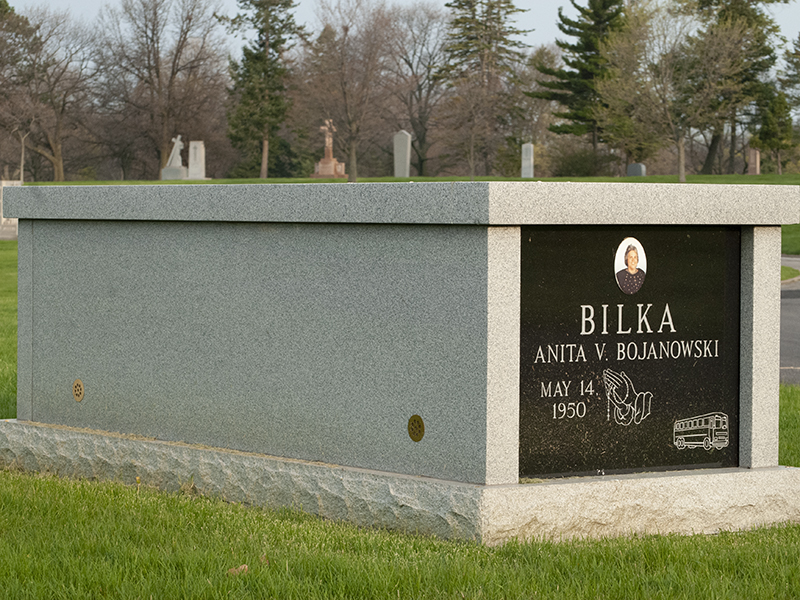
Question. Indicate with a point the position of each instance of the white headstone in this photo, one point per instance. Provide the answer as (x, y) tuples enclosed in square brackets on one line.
[(197, 160), (636, 170), (754, 162), (527, 161), (402, 154)]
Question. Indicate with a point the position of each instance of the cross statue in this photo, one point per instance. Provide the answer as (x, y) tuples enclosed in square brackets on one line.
[(328, 128), (175, 155)]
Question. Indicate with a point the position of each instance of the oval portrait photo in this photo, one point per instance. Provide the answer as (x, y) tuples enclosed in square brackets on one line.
[(630, 265)]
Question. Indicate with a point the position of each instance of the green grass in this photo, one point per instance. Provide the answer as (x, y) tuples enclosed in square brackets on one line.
[(8, 329), (788, 273), (790, 239), (789, 426), (80, 539)]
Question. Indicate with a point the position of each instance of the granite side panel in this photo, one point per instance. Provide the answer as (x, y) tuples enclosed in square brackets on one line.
[(567, 203), (502, 413), (25, 319), (685, 503), (316, 342), (760, 346), (365, 498)]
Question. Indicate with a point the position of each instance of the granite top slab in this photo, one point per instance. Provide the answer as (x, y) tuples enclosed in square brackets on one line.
[(457, 203)]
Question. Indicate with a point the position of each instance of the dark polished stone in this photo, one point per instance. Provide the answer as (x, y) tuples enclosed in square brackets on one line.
[(616, 382)]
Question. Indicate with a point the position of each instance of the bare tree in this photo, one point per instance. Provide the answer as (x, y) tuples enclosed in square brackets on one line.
[(163, 66), (344, 73), (527, 117), (468, 114), (420, 36), (46, 90)]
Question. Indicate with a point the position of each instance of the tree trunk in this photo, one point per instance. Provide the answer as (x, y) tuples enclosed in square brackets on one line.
[(732, 157), (57, 160), (353, 175), (164, 156), (22, 158), (713, 150), (265, 144), (419, 164), (472, 156), (58, 168), (681, 160), (780, 169), (420, 147), (264, 158)]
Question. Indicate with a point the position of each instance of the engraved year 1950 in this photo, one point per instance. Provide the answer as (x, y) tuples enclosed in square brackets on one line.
[(569, 410)]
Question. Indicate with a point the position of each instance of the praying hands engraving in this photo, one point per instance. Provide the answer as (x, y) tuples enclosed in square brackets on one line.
[(628, 405)]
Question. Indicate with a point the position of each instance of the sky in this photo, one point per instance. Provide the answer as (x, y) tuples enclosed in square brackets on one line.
[(541, 15)]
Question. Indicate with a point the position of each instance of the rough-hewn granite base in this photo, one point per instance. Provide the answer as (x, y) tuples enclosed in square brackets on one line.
[(364, 497), (680, 502)]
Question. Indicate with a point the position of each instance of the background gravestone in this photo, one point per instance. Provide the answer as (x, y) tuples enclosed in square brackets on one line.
[(402, 154), (636, 170), (754, 161), (527, 161), (197, 160)]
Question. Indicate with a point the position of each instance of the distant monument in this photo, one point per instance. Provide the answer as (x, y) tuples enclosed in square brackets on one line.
[(197, 160), (175, 168), (329, 167), (527, 161), (8, 227), (402, 154), (636, 170), (754, 161)]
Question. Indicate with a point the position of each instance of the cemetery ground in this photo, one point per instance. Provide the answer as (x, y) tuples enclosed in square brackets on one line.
[(63, 538)]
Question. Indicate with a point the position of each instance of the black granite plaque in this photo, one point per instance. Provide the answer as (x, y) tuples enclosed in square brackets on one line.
[(629, 349)]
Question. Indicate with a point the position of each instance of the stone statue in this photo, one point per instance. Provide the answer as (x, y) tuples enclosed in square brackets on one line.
[(175, 155), (175, 168), (329, 167), (329, 130)]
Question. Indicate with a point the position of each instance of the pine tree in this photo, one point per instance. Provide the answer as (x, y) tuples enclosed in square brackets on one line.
[(481, 56), (259, 95), (790, 79), (774, 124), (482, 39), (575, 88), (758, 58)]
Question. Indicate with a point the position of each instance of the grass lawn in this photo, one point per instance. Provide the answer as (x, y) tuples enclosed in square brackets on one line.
[(790, 239), (8, 329), (81, 539), (789, 426), (788, 273)]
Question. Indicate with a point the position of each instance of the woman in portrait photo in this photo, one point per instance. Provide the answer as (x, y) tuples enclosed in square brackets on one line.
[(631, 278)]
